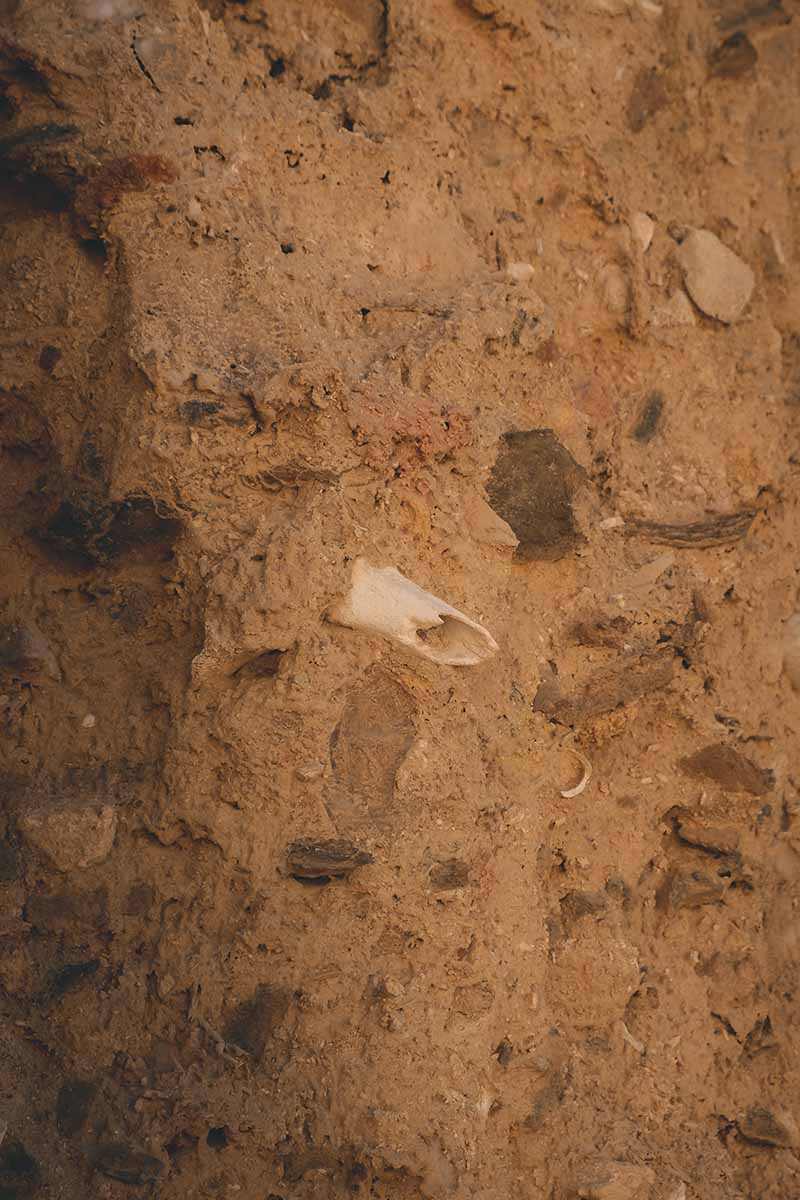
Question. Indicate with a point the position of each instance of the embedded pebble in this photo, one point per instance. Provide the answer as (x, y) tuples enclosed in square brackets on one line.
[(761, 1126), (619, 1181), (719, 282), (71, 836), (677, 311), (616, 292), (519, 272), (791, 650), (643, 228)]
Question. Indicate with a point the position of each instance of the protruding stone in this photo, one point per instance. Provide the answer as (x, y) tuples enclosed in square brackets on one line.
[(335, 857), (619, 1181), (762, 1126), (720, 842), (519, 272), (730, 769), (255, 1020), (791, 650), (719, 282), (70, 835), (642, 228), (615, 288), (532, 487), (676, 312), (19, 1171), (449, 875), (72, 1106), (128, 1166), (24, 650), (487, 528), (689, 889)]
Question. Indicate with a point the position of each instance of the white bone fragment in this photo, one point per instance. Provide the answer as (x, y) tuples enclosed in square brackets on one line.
[(383, 602)]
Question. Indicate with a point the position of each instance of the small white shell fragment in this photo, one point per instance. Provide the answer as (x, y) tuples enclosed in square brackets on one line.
[(643, 228), (519, 272), (382, 601), (791, 650), (571, 793)]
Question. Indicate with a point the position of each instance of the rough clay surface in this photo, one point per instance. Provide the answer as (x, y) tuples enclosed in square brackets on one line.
[(286, 284)]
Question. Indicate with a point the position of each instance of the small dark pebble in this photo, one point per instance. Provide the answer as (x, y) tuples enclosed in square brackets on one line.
[(734, 57), (761, 1126), (194, 411), (72, 1106), (450, 874), (649, 419), (128, 1166), (19, 1172), (504, 1052), (727, 767), (49, 357), (256, 1019), (72, 975), (9, 867), (218, 1137)]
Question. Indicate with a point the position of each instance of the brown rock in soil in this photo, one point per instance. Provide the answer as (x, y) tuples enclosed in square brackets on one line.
[(734, 57), (689, 889), (719, 282), (71, 836), (582, 904), (760, 1038), (719, 842), (368, 745), (730, 769), (618, 1181), (547, 1100), (128, 1166), (532, 486), (630, 679), (450, 874), (256, 1020), (62, 909), (9, 865), (736, 14), (20, 1175), (73, 1105), (648, 97), (606, 632), (649, 418), (763, 1127), (25, 651), (335, 858)]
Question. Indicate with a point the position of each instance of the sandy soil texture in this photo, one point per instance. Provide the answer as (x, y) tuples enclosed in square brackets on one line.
[(502, 295)]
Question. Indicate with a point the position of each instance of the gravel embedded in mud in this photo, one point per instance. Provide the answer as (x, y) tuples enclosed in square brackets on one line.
[(504, 296)]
